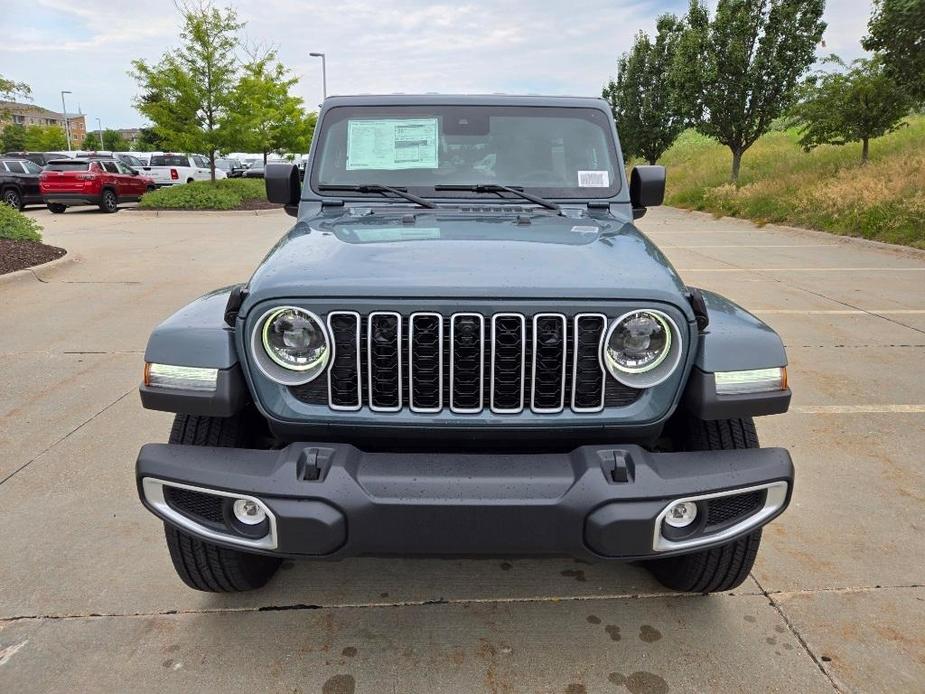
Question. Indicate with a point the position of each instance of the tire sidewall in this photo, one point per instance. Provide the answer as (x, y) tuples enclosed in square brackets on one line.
[(109, 203), (12, 198)]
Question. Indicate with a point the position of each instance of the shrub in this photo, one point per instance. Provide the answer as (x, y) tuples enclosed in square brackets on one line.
[(16, 226), (226, 194)]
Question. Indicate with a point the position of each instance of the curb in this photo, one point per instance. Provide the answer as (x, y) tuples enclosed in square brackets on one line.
[(46, 269), (894, 248), (167, 213)]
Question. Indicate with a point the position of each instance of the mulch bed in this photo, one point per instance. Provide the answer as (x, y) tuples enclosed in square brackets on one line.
[(259, 205), (17, 255)]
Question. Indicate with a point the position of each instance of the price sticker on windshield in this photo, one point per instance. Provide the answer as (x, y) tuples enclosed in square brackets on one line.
[(392, 144), (593, 179)]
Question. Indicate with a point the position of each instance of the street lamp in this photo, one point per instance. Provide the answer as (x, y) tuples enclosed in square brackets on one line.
[(100, 124), (67, 124), (324, 74)]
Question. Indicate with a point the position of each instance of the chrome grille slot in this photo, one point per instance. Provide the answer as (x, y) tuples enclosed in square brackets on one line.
[(425, 362), (467, 362), (344, 381), (384, 361), (587, 370), (508, 346), (549, 363), (429, 362)]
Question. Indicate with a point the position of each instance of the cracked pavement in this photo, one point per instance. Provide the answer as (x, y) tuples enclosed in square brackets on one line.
[(89, 602)]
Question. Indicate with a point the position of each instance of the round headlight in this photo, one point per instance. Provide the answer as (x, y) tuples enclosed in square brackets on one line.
[(295, 345), (642, 348)]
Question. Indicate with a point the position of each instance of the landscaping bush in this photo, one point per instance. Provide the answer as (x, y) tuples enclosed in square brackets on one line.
[(226, 194), (827, 189), (16, 226)]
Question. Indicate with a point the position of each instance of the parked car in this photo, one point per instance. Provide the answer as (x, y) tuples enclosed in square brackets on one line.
[(257, 170), (174, 169), (458, 355), (233, 168), (19, 182), (40, 158), (86, 181)]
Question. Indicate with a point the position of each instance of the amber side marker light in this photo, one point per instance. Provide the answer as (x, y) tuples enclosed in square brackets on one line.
[(180, 377), (751, 381)]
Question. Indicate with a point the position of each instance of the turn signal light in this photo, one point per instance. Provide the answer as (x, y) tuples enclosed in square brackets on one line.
[(181, 377), (751, 381)]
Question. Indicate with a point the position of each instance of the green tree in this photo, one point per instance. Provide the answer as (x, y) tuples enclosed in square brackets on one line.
[(897, 31), (45, 138), (13, 137), (643, 98), (744, 66), (856, 104), (112, 141), (265, 117), (149, 141), (10, 90), (188, 94)]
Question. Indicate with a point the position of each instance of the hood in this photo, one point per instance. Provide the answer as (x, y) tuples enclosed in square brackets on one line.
[(452, 254)]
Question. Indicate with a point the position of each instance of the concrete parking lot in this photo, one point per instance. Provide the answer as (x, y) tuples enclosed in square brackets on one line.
[(89, 601)]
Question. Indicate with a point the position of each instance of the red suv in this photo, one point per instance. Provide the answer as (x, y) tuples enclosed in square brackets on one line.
[(103, 182)]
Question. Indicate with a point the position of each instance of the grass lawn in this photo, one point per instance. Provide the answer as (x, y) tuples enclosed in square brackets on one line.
[(226, 194), (825, 189)]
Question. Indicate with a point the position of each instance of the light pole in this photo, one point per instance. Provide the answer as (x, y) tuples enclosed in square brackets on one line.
[(67, 124), (324, 74), (100, 124)]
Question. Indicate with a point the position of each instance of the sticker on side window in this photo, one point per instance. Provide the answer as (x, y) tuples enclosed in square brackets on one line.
[(392, 144), (593, 179)]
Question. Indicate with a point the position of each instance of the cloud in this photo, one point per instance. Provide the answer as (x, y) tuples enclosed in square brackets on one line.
[(372, 46)]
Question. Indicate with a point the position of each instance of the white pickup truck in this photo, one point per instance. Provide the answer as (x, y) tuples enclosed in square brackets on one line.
[(173, 169)]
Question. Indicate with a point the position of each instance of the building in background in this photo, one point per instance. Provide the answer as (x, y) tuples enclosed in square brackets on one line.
[(130, 134), (30, 114)]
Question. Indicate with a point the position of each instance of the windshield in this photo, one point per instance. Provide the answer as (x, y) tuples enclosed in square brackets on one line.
[(68, 166), (169, 160), (550, 151)]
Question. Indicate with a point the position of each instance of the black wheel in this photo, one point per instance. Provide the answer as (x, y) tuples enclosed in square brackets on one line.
[(150, 189), (720, 568), (56, 208), (199, 564), (109, 203), (189, 180), (12, 198)]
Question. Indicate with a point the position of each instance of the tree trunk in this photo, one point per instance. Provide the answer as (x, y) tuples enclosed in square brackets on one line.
[(264, 159), (865, 150), (212, 165), (736, 165)]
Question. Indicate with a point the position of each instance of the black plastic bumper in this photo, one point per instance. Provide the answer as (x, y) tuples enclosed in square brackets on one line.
[(595, 502)]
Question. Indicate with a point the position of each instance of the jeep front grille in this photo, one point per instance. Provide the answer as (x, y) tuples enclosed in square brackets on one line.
[(467, 363)]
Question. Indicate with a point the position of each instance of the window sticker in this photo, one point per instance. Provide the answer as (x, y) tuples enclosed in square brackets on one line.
[(593, 179), (392, 144)]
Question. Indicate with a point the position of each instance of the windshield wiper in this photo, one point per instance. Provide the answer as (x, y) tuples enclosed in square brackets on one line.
[(380, 188), (496, 188)]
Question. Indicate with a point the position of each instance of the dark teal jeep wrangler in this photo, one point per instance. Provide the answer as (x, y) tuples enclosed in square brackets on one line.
[(464, 347)]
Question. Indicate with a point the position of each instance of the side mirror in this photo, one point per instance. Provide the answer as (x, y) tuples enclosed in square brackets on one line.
[(133, 172), (647, 188), (283, 186)]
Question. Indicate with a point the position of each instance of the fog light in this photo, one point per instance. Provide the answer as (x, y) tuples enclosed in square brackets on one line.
[(681, 515), (249, 512)]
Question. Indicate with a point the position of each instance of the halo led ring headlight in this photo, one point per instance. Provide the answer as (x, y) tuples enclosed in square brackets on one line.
[(290, 345), (642, 348)]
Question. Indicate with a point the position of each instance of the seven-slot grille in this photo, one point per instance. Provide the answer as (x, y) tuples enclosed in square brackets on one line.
[(467, 363)]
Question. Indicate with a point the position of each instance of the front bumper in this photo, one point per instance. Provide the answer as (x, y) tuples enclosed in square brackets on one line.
[(334, 500)]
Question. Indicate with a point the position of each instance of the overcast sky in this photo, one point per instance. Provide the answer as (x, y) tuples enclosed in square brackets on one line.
[(372, 46)]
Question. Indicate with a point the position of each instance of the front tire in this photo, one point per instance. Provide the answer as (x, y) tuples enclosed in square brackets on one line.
[(12, 198), (727, 566), (109, 203), (203, 565)]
